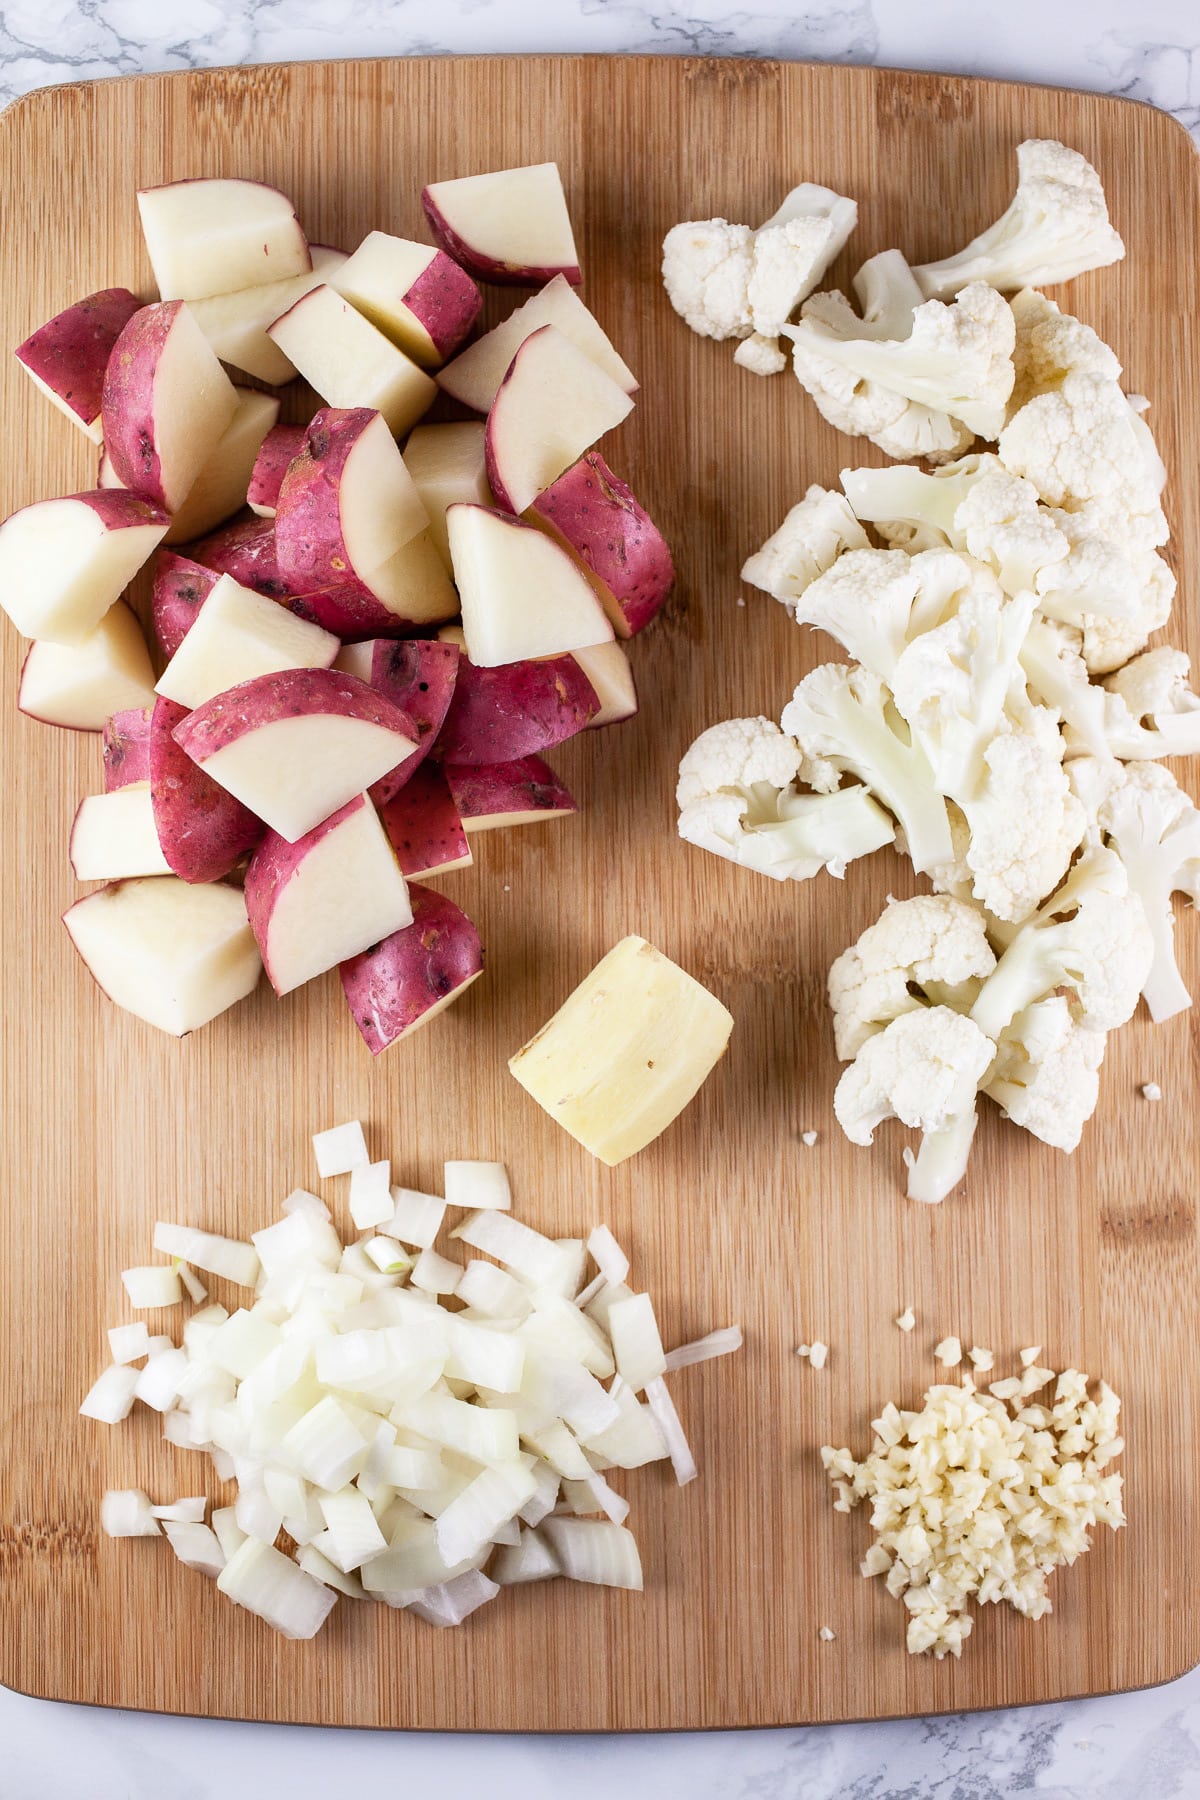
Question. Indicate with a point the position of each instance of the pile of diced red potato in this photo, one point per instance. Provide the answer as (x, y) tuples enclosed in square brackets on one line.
[(320, 712)]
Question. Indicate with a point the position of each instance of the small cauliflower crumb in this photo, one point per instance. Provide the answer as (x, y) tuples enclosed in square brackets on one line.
[(1151, 1091), (982, 1360), (808, 1139), (971, 1499), (907, 1319), (949, 1352), (1030, 1356), (826, 1635), (816, 1352)]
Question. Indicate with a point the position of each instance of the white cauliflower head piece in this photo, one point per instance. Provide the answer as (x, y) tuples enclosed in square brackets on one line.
[(1051, 345), (929, 951), (1159, 712), (1080, 442), (1046, 1076), (1055, 227), (811, 538), (706, 268), (1155, 829), (1025, 823), (735, 755)]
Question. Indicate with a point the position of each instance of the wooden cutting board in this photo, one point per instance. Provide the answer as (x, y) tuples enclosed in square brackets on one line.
[(108, 1124)]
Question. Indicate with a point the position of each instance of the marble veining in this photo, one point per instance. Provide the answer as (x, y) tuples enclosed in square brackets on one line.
[(1129, 1747)]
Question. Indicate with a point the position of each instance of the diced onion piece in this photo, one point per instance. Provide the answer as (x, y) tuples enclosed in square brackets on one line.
[(558, 1327), (326, 1446), (244, 1341), (265, 1582), (127, 1512), (599, 1307), (285, 1491), (110, 1397), (508, 1534), (309, 1559), (566, 1275), (387, 1255), (586, 1295), (229, 1533), (257, 1516), (455, 1600), (414, 1469), (179, 1429), (486, 1434), (371, 1195), (411, 1563), (207, 1250), (301, 1201), (493, 1291), (636, 1343), (302, 1236), (189, 1511), (469, 1522), (606, 1499), (607, 1254), (155, 1284), (159, 1379), (534, 1258), (416, 1218), (531, 1559), (197, 1546), (595, 1550), (481, 1186), (197, 1293), (352, 1526), (562, 1451), (678, 1448), (128, 1343), (435, 1274), (717, 1343), (634, 1439), (545, 1495), (340, 1149)]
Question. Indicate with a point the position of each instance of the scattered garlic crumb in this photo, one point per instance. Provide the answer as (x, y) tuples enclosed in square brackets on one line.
[(907, 1319), (983, 1360), (1008, 1389), (507, 888), (808, 1138), (948, 1352), (826, 1636), (1030, 1356), (816, 1352), (1151, 1091), (740, 600)]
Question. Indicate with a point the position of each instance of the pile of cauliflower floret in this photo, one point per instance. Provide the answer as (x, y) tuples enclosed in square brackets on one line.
[(999, 717)]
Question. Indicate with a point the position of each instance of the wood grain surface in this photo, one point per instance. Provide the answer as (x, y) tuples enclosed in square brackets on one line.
[(108, 1124)]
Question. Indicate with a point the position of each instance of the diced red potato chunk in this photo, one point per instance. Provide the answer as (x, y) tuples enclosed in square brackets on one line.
[(497, 715), (551, 406), (596, 516), (181, 587), (63, 563), (424, 827), (406, 980), (114, 838), (281, 445), (245, 550), (417, 295), (607, 668), (204, 830), (236, 324), (297, 745), (167, 402), (237, 635), (350, 362), (80, 685), (476, 372), (522, 595), (346, 503), (447, 464), (219, 490), (126, 747), (331, 895), (490, 797), (213, 236), (418, 676), (510, 227), (67, 356)]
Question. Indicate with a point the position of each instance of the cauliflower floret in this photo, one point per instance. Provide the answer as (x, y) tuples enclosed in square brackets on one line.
[(1052, 345), (1155, 829), (1047, 1073), (1091, 937), (1080, 443), (844, 722), (933, 943), (974, 504), (1025, 823), (706, 270), (1056, 227), (924, 1069), (955, 359), (1057, 676), (861, 408), (874, 601), (761, 355), (1163, 713), (735, 755), (813, 535), (1094, 779), (788, 836)]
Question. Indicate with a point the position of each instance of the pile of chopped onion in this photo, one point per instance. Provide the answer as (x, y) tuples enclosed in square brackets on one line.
[(412, 1428)]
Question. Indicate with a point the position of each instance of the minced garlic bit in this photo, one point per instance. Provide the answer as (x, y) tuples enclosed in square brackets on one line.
[(826, 1635), (981, 1360), (816, 1352), (808, 1139), (1030, 1356), (907, 1319), (972, 1499), (1151, 1091), (948, 1352)]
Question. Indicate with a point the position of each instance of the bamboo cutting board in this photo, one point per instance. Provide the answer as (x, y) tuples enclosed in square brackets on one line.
[(108, 1124)]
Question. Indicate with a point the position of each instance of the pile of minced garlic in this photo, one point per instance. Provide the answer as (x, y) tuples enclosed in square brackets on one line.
[(981, 1495)]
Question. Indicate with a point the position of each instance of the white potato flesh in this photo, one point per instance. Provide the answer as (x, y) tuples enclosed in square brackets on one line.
[(292, 773), (62, 567), (173, 953), (551, 406), (212, 236), (607, 668), (379, 507), (376, 278), (356, 659), (349, 361), (476, 373), (414, 584), (219, 490), (522, 595), (237, 635), (194, 402), (82, 685), (236, 324), (347, 894), (447, 464), (114, 836), (516, 218)]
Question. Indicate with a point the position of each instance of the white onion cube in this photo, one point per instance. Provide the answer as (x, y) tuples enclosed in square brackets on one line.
[(340, 1149), (478, 1186)]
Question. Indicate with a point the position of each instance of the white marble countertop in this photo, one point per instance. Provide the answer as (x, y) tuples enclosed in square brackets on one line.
[(1134, 1747)]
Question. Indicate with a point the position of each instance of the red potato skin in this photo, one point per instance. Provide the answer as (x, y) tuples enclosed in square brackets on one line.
[(282, 444), (273, 865), (308, 538), (497, 715), (117, 509), (181, 587), (70, 352), (393, 986), (126, 747), (204, 832), (127, 403), (423, 824), (525, 785), (245, 550), (486, 268), (289, 694), (446, 302), (595, 515), (418, 676)]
